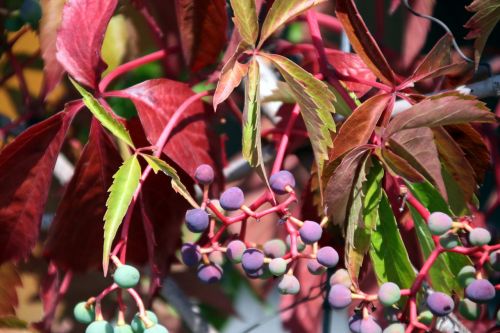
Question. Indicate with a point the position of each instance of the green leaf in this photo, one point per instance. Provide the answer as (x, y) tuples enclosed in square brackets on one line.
[(387, 251), (316, 105), (281, 12), (357, 235), (160, 165), (121, 192), (441, 276), (103, 116), (245, 19), (372, 189), (252, 147)]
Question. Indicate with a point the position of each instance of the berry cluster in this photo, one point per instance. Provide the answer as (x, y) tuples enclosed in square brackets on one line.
[(275, 258), (125, 277)]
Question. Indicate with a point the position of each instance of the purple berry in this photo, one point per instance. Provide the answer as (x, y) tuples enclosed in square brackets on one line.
[(209, 273), (355, 323), (439, 223), (495, 260), (255, 275), (479, 237), (190, 254), (389, 293), (278, 266), (235, 251), (252, 260), (480, 291), (366, 325), (289, 284), (339, 296), (232, 199), (274, 248), (341, 276), (197, 220), (327, 256), (315, 268), (440, 304), (280, 180), (310, 232), (204, 174)]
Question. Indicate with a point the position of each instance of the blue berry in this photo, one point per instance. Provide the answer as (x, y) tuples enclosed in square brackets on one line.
[(99, 326), (235, 251), (280, 180), (204, 174), (327, 256), (137, 323), (232, 199), (439, 223), (84, 314), (126, 276), (197, 220), (339, 296), (310, 232), (190, 254)]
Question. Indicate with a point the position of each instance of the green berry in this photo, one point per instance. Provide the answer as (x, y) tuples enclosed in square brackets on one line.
[(469, 310), (389, 293), (126, 276), (449, 241), (156, 329), (278, 266), (123, 329), (100, 326), (84, 314), (138, 325), (425, 317), (466, 275)]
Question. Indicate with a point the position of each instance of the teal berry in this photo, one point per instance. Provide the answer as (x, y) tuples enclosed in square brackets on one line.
[(466, 276), (449, 241), (126, 276), (439, 223), (137, 323), (278, 266), (84, 314), (479, 237), (469, 310), (394, 328), (31, 12), (389, 294), (13, 23), (123, 329), (100, 326), (156, 329), (495, 260)]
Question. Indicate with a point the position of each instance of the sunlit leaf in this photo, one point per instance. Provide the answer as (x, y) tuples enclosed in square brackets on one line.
[(103, 116), (245, 19), (160, 165), (281, 12), (125, 181)]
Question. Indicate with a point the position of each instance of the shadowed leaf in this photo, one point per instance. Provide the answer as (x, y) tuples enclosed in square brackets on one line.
[(417, 147), (202, 27), (315, 101), (103, 116), (9, 281), (49, 23), (125, 181), (439, 110), (158, 164), (245, 19), (80, 37), (455, 162), (339, 188), (83, 205), (26, 166), (397, 165), (363, 42), (482, 23), (281, 12)]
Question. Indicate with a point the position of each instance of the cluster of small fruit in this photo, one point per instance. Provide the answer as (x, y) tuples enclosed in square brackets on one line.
[(125, 277), (274, 257), (477, 289)]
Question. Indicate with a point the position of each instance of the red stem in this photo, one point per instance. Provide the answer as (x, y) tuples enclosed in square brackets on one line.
[(280, 155)]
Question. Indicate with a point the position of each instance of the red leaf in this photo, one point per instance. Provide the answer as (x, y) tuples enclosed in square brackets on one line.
[(9, 280), (80, 37), (156, 101), (397, 165), (202, 27), (416, 30), (351, 64), (363, 42), (26, 167), (306, 315), (79, 217)]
